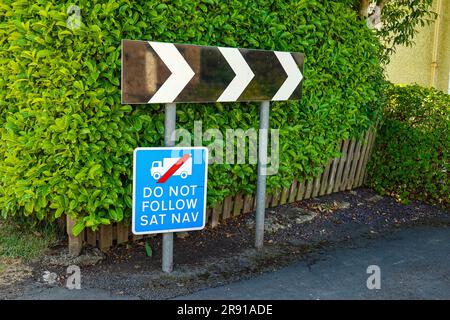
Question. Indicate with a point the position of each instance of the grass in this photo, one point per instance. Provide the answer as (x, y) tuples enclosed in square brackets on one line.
[(24, 242)]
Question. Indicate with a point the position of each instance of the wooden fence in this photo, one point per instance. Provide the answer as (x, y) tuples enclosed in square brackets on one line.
[(344, 173)]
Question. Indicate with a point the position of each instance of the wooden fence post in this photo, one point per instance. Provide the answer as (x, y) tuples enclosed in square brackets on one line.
[(355, 161), (316, 186), (348, 163), (362, 160), (227, 207), (275, 201), (309, 185), (293, 191), (215, 216), (238, 205), (122, 233), (268, 200), (301, 189), (91, 237), (325, 175), (333, 172), (372, 146), (341, 165), (75, 242), (284, 195), (105, 240), (248, 203), (208, 215)]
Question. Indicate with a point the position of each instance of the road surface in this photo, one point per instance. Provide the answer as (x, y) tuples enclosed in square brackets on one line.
[(414, 264)]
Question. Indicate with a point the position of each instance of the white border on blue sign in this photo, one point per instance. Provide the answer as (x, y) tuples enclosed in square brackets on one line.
[(133, 220)]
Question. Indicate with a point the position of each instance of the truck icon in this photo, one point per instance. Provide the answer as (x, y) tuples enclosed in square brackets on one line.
[(161, 167)]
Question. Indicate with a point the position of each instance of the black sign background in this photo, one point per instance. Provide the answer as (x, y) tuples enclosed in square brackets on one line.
[(144, 73)]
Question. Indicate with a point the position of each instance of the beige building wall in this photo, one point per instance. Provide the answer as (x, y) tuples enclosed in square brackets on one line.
[(420, 63)]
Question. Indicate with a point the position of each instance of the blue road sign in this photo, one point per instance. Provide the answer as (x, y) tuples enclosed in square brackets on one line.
[(169, 189)]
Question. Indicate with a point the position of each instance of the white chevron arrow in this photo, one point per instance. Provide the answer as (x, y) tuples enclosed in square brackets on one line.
[(243, 74), (182, 73), (293, 73)]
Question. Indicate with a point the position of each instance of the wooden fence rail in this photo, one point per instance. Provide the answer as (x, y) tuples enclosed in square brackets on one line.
[(343, 173)]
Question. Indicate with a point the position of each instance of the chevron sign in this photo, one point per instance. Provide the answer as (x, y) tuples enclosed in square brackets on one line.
[(157, 72)]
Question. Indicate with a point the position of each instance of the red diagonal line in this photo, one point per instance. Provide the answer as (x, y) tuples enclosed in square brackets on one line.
[(173, 168)]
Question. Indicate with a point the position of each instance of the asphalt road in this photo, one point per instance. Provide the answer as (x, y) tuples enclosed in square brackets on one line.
[(414, 264)]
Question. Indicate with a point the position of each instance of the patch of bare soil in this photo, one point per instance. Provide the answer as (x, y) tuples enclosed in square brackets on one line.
[(13, 271)]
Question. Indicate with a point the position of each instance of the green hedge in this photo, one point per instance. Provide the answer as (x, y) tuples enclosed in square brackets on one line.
[(412, 152), (66, 141)]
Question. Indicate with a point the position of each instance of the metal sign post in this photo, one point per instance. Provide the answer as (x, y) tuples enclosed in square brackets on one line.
[(262, 173), (157, 72), (170, 118)]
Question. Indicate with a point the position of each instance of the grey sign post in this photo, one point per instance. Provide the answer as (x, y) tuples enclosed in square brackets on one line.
[(170, 117), (262, 173), (156, 72)]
